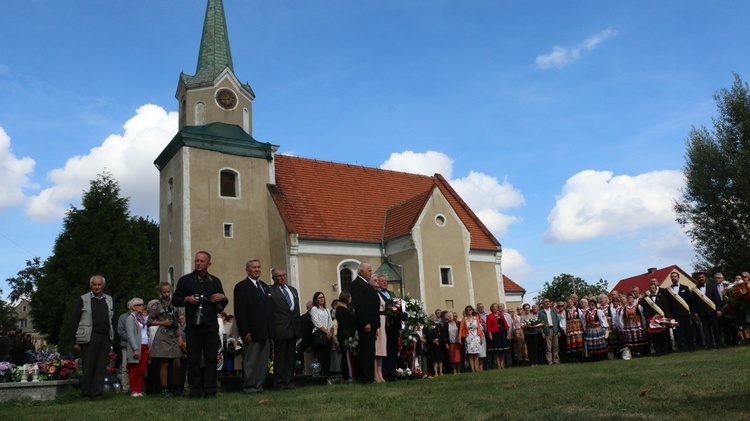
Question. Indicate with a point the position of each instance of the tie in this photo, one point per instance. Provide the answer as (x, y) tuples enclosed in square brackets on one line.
[(287, 298), (260, 287)]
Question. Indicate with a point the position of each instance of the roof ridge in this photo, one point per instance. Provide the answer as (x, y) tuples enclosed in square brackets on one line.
[(349, 164)]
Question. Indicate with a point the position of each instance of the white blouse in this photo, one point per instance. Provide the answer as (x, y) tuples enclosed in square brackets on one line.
[(321, 318)]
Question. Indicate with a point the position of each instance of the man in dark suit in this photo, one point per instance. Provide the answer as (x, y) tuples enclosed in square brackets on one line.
[(254, 318), (367, 315), (202, 296), (654, 303), (392, 332), (678, 304), (287, 328), (707, 305)]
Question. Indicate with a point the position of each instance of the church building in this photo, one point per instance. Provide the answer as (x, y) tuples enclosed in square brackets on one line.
[(225, 192)]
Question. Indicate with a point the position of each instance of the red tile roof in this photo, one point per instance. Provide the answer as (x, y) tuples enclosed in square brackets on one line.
[(511, 286), (400, 218), (333, 201), (642, 281)]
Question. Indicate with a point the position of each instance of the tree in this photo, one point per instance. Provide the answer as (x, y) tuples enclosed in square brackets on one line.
[(8, 315), (99, 238), (23, 285), (564, 285), (715, 202)]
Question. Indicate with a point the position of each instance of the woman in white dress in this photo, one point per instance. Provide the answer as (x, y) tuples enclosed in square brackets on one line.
[(471, 332)]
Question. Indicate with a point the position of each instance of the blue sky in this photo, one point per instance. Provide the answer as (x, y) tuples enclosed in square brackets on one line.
[(562, 124)]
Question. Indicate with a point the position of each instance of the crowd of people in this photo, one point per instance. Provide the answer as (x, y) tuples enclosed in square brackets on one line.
[(186, 334)]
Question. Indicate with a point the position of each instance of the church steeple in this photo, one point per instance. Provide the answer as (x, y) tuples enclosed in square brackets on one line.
[(214, 94), (215, 54)]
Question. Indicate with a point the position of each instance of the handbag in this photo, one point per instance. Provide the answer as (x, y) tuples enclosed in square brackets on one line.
[(320, 338)]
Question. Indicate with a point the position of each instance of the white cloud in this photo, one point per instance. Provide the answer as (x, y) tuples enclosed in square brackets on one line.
[(562, 56), (14, 174), (427, 163), (483, 193), (128, 157), (515, 265), (668, 245), (594, 204)]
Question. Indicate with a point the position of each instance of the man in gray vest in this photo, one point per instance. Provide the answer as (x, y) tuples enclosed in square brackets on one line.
[(92, 322)]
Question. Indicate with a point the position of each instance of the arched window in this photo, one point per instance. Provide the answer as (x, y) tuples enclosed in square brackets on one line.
[(229, 183), (347, 276), (246, 120), (200, 114), (347, 270)]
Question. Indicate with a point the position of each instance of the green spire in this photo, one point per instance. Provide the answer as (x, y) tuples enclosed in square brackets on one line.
[(214, 55)]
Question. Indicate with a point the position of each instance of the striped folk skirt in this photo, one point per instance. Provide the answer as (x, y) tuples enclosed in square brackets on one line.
[(574, 333), (633, 332), (596, 343)]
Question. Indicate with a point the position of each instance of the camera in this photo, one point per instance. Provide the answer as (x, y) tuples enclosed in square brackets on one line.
[(201, 300)]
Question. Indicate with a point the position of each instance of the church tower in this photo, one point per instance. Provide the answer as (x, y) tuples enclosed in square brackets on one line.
[(213, 174)]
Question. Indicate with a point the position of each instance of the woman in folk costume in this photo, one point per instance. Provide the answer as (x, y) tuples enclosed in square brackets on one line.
[(616, 312), (606, 307), (573, 331), (634, 327), (594, 325)]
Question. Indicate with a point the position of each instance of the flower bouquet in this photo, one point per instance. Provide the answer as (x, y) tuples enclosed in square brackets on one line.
[(659, 324), (738, 296), (53, 366), (352, 343), (532, 324)]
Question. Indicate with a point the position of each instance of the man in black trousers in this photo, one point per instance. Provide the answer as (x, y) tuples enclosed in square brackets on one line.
[(253, 315), (202, 295), (706, 306), (678, 298), (286, 329), (367, 315), (654, 302)]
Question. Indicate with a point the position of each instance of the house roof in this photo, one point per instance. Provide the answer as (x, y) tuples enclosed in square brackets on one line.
[(511, 286), (401, 217), (642, 280), (334, 201)]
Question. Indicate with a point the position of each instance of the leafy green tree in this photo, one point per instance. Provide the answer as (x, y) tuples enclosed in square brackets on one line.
[(8, 315), (99, 238), (23, 285), (715, 203), (563, 285)]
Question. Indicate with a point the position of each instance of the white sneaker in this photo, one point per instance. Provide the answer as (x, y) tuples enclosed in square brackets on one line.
[(136, 395)]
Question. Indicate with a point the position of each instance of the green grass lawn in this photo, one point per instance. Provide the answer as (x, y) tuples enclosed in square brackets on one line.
[(705, 385)]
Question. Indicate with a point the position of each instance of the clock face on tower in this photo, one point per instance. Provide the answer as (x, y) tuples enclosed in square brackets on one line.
[(226, 98)]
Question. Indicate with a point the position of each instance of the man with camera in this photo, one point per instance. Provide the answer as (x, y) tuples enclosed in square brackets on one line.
[(202, 296)]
